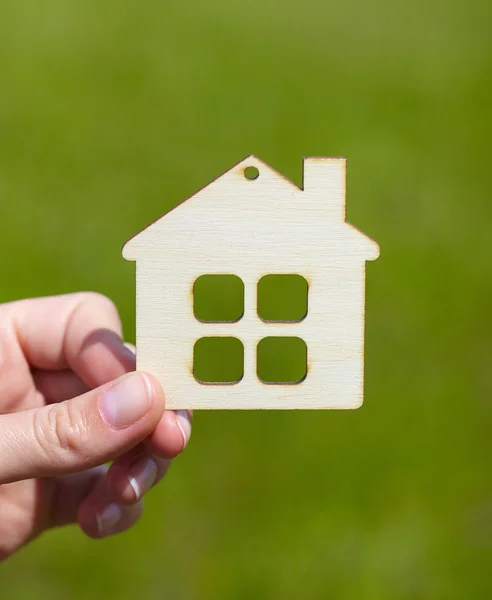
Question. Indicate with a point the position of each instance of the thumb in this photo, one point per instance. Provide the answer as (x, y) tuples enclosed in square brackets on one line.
[(81, 433)]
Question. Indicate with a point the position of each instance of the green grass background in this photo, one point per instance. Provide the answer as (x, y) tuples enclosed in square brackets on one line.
[(112, 112)]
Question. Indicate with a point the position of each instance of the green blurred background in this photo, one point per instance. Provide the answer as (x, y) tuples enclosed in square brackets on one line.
[(112, 112)]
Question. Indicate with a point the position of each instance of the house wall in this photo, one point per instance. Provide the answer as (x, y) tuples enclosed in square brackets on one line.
[(333, 331), (251, 229)]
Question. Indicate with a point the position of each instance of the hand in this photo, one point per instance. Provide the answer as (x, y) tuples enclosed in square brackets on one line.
[(67, 406)]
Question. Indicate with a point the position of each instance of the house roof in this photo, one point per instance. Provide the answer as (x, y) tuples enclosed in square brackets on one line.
[(249, 161), (371, 247)]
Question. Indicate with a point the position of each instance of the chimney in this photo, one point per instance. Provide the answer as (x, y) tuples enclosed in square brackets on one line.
[(324, 183)]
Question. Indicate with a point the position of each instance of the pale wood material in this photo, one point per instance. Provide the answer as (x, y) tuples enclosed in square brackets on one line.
[(252, 228)]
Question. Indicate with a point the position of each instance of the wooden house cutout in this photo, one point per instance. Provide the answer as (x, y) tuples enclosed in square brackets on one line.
[(252, 227)]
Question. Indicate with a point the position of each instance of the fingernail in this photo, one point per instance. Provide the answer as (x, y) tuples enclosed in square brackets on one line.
[(128, 352), (131, 348), (184, 423), (127, 402), (143, 477), (108, 519)]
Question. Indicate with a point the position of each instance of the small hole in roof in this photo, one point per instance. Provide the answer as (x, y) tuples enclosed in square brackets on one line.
[(251, 173)]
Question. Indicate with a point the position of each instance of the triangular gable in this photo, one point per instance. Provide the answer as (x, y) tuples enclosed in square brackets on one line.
[(249, 161)]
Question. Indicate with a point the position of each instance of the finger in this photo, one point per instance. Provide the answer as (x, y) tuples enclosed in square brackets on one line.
[(81, 332), (71, 491), (85, 497), (172, 434), (100, 515), (80, 433), (131, 476), (57, 386)]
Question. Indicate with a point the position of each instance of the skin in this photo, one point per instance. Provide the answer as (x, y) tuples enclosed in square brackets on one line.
[(68, 405)]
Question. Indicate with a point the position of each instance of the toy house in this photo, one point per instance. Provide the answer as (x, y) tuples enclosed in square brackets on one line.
[(251, 227)]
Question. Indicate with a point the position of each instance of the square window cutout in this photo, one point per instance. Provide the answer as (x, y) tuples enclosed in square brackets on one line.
[(282, 298), (218, 298), (281, 360), (218, 360)]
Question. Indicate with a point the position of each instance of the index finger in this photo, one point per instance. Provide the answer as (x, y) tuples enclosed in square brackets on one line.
[(81, 332)]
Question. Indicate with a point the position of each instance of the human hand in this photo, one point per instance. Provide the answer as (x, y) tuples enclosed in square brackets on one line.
[(67, 406)]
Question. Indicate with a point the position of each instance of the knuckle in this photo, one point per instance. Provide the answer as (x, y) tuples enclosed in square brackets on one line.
[(96, 300), (61, 433)]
